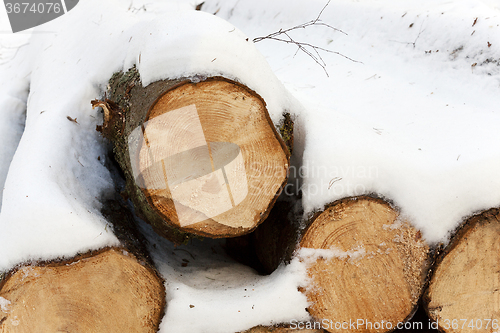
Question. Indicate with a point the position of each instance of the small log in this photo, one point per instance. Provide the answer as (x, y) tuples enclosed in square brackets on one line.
[(464, 290), (104, 291), (365, 264), (199, 158)]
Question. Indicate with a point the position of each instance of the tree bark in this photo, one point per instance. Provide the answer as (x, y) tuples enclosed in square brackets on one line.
[(464, 290), (375, 268), (199, 158)]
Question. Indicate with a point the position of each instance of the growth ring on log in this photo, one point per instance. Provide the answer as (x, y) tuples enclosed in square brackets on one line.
[(464, 290), (365, 264), (199, 157), (104, 293)]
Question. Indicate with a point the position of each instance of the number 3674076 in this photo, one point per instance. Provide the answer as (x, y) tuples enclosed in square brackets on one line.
[(26, 8)]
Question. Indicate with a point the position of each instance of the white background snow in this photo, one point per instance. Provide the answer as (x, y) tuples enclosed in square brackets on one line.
[(414, 119)]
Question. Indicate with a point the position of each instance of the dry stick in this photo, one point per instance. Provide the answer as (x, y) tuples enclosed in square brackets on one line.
[(415, 41), (301, 46)]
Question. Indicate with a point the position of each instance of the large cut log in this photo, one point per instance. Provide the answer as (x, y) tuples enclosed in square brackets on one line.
[(199, 157), (367, 266), (464, 290), (105, 291)]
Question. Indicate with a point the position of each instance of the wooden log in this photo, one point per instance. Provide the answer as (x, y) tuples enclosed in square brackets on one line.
[(115, 289), (104, 291), (365, 264), (464, 290), (199, 158)]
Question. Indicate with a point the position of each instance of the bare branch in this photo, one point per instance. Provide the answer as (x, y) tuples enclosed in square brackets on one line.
[(307, 48), (321, 12), (415, 41)]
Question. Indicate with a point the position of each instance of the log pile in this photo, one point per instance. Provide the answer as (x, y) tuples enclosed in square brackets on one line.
[(202, 158)]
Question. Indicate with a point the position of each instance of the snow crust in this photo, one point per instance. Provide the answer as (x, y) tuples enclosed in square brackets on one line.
[(413, 119), (309, 255)]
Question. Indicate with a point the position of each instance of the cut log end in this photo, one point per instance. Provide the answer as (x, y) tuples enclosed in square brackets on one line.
[(106, 292), (373, 269), (200, 158), (209, 157), (464, 290)]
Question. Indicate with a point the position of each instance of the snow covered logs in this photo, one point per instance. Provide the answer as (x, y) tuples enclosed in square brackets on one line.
[(464, 290), (113, 290), (364, 261), (199, 158)]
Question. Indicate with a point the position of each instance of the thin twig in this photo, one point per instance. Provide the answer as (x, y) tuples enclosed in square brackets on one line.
[(309, 49), (317, 21), (2, 56), (415, 41)]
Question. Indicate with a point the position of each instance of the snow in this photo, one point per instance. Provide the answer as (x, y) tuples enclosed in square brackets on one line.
[(202, 282), (309, 255), (4, 305), (15, 321), (13, 98), (414, 127), (413, 119)]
